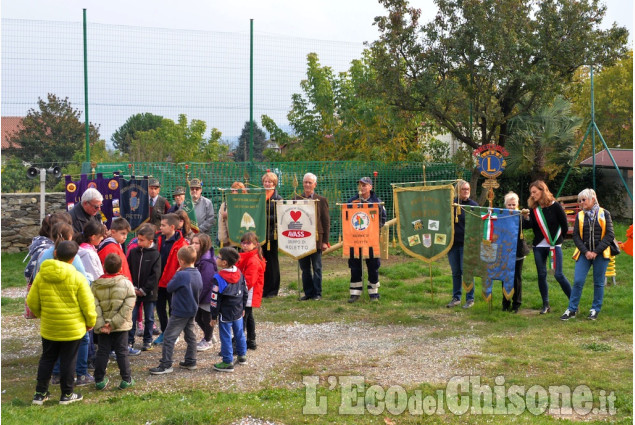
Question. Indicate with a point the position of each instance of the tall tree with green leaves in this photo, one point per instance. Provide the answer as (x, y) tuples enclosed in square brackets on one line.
[(178, 142), (488, 61), (337, 117), (123, 137), (50, 134), (613, 94), (241, 152)]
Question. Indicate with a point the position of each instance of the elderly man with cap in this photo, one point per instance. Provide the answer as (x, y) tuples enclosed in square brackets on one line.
[(202, 207), (158, 204), (88, 209), (179, 198), (366, 195)]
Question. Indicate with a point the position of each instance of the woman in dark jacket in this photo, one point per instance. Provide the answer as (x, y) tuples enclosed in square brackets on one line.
[(270, 248), (592, 235), (549, 223)]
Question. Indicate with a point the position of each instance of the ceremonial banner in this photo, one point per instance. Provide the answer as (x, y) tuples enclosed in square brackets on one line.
[(489, 252), (135, 206), (188, 207), (246, 213), (108, 187), (360, 230), (297, 227), (425, 220)]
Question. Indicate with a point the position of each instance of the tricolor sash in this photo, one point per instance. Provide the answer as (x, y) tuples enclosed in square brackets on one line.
[(488, 225), (544, 229)]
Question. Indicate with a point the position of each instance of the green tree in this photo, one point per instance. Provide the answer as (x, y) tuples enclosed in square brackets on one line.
[(542, 144), (51, 134), (241, 152), (613, 93), (123, 137), (337, 117), (498, 59), (178, 142)]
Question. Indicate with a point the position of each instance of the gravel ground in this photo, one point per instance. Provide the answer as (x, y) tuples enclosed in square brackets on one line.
[(387, 355)]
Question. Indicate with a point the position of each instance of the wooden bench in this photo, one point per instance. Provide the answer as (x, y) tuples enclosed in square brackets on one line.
[(571, 208)]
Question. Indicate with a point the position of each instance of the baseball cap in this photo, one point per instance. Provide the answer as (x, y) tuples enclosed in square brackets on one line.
[(366, 180)]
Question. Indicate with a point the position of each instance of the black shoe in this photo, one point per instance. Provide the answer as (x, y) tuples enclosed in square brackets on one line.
[(568, 314), (40, 398), (251, 345), (305, 298), (545, 309), (353, 298), (317, 298), (186, 365), (70, 398), (592, 315)]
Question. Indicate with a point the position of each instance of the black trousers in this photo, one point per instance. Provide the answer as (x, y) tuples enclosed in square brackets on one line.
[(164, 299), (202, 319), (67, 353), (272, 269), (117, 341), (250, 324)]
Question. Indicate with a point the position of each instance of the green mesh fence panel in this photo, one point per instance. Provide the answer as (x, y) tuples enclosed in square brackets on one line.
[(337, 180)]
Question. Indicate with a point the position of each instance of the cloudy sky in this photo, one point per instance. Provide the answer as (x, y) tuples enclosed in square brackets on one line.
[(342, 20)]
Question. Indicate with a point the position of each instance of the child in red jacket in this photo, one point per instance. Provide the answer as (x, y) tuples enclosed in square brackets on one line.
[(119, 230), (252, 266)]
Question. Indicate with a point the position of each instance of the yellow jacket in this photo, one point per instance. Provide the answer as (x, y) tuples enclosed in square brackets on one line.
[(62, 299)]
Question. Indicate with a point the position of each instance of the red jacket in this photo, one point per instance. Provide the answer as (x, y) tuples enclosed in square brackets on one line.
[(253, 268), (109, 245), (172, 264)]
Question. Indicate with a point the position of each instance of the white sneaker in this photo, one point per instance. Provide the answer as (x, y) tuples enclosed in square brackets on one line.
[(203, 345), (214, 339)]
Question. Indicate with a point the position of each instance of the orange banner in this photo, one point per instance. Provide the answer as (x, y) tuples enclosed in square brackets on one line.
[(360, 229)]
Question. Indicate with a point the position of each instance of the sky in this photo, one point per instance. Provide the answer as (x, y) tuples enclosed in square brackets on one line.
[(342, 20), (285, 31)]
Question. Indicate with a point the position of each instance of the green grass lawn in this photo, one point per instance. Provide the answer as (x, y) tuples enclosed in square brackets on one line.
[(524, 349)]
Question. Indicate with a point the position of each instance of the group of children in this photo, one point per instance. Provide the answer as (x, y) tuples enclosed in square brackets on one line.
[(106, 289)]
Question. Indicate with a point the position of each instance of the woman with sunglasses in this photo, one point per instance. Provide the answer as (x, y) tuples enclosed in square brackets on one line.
[(592, 235)]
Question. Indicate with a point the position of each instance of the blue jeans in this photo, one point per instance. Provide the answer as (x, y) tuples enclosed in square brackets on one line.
[(541, 255), (455, 258), (312, 282), (582, 267), (225, 332), (148, 321), (81, 367)]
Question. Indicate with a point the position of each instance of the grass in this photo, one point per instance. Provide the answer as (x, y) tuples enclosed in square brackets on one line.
[(525, 349)]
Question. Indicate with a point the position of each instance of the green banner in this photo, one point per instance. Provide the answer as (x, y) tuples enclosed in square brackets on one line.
[(424, 220), (246, 212), (188, 207)]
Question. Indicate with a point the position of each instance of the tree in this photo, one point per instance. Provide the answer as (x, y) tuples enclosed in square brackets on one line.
[(241, 153), (337, 117), (122, 138), (51, 134), (178, 142), (499, 59), (541, 144), (613, 93)]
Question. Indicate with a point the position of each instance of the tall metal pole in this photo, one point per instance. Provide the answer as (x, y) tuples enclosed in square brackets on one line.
[(593, 123), (86, 125), (251, 91)]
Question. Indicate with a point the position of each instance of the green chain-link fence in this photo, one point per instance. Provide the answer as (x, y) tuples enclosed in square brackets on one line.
[(337, 180)]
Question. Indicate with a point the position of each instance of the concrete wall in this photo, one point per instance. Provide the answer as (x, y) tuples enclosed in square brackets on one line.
[(21, 217)]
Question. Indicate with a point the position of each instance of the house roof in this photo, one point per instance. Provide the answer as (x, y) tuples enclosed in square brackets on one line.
[(9, 125), (623, 159)]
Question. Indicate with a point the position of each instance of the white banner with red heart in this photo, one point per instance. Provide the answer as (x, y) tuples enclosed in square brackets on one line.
[(297, 230)]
